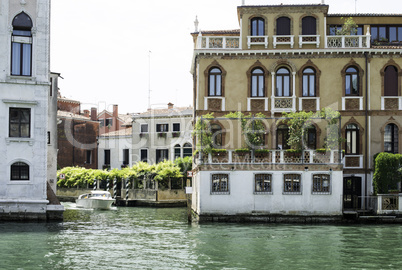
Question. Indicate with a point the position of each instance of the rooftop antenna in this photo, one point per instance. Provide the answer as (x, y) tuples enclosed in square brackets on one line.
[(243, 2), (322, 2), (355, 6), (149, 79), (196, 22)]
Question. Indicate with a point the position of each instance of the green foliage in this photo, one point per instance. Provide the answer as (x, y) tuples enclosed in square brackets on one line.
[(167, 169), (321, 150), (185, 164), (203, 133), (298, 123), (349, 27), (216, 151), (253, 129), (242, 150), (262, 151), (387, 172), (293, 151)]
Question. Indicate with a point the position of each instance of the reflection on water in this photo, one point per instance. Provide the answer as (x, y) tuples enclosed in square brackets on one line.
[(148, 238)]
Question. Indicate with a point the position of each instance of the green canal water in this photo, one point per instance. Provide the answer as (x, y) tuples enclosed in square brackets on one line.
[(148, 238)]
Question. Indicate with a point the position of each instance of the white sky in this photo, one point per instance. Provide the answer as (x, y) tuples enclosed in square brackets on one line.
[(101, 47)]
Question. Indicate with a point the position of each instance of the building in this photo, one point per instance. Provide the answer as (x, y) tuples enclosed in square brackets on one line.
[(114, 121), (27, 101), (290, 58), (77, 135)]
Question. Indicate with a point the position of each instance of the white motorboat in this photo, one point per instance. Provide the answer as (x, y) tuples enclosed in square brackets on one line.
[(95, 200)]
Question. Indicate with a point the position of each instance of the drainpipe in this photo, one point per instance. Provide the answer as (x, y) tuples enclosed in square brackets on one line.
[(366, 157)]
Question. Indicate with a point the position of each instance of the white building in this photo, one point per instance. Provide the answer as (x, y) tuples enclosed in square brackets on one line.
[(24, 93)]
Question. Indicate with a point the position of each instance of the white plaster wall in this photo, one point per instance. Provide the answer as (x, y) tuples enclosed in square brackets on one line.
[(115, 144), (242, 200), (52, 128)]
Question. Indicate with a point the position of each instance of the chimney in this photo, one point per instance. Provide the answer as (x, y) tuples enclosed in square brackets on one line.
[(170, 105), (94, 114), (86, 113), (115, 110)]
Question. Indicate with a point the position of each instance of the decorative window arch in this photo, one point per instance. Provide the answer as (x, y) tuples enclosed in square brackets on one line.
[(217, 135), (257, 80), (311, 138), (391, 134), (352, 79), (257, 26), (353, 143), (391, 79), (317, 73), (215, 73), (177, 151), (187, 150), (309, 82), (21, 45), (283, 26), (19, 171), (282, 136), (283, 85), (309, 25)]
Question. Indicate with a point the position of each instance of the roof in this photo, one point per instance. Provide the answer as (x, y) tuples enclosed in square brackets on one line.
[(177, 111), (364, 15), (64, 99), (219, 32), (287, 5), (122, 132), (72, 115)]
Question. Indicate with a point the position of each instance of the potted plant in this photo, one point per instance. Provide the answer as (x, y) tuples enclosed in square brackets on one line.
[(262, 155), (142, 135), (219, 155), (241, 155), (176, 134), (161, 134)]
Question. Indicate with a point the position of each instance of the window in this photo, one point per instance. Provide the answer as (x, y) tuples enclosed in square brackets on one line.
[(283, 83), (282, 136), (352, 82), (262, 183), (20, 122), (283, 26), (321, 183), (215, 82), (257, 83), (107, 157), (88, 157), (144, 155), (162, 127), (21, 46), (386, 33), (311, 140), (177, 151), (176, 127), (216, 131), (109, 122), (187, 150), (391, 139), (144, 128), (220, 183), (102, 122), (309, 26), (337, 30), (292, 183), (48, 137), (126, 156), (19, 171), (257, 27), (161, 155), (352, 139), (391, 81), (51, 87), (309, 82)]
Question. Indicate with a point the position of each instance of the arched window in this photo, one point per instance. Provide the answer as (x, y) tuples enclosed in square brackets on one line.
[(309, 26), (257, 26), (21, 45), (257, 83), (391, 81), (283, 26), (352, 139), (216, 131), (391, 139), (215, 82), (19, 171), (282, 136), (352, 82), (311, 138), (309, 82), (187, 150), (283, 83), (177, 151)]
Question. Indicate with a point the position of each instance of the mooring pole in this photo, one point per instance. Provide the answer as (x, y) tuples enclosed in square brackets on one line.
[(127, 189), (114, 188), (107, 184), (95, 184)]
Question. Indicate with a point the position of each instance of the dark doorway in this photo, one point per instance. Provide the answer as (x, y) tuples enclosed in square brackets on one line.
[(352, 192)]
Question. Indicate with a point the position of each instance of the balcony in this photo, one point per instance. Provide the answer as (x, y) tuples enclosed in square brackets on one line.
[(214, 103), (309, 39), (391, 103), (257, 104), (271, 157), (309, 104), (345, 42), (352, 103), (218, 42), (283, 104), (284, 40), (257, 40)]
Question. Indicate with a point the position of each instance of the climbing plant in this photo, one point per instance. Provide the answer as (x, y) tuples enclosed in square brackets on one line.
[(203, 134), (349, 27), (298, 123), (387, 172)]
